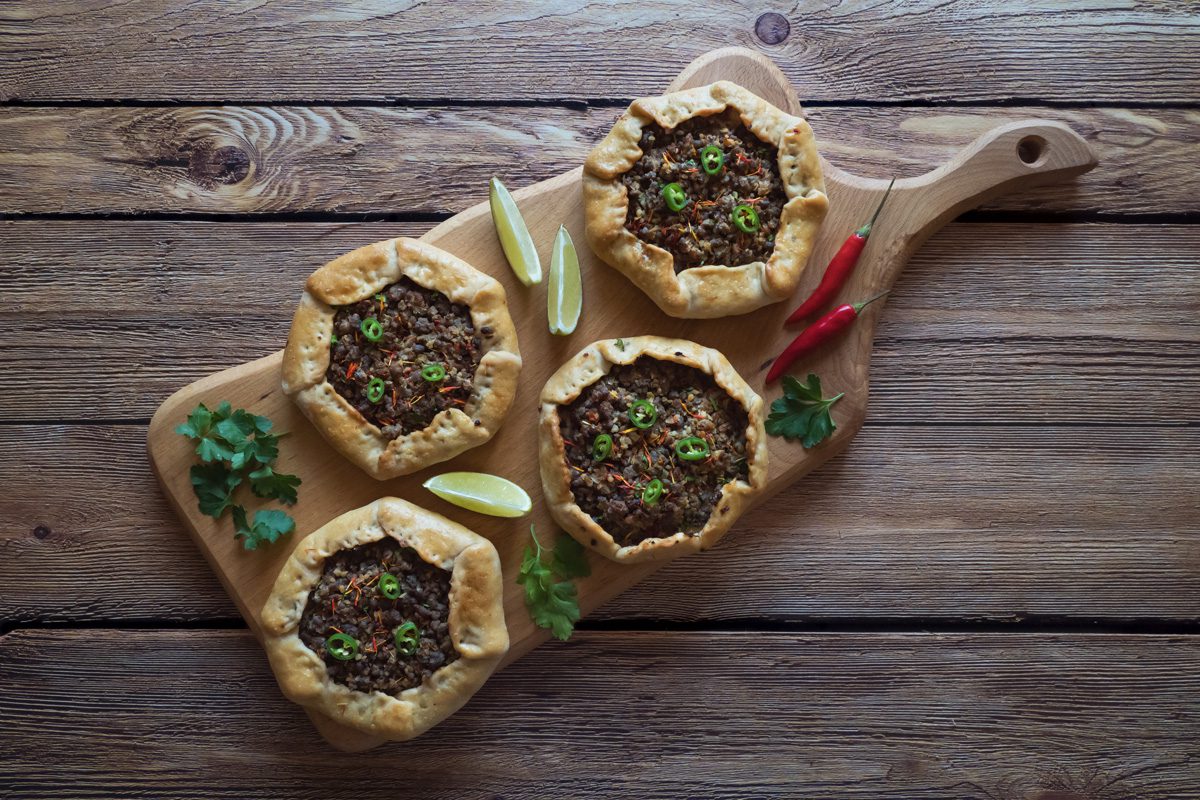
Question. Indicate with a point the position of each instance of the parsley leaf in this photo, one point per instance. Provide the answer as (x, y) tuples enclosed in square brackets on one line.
[(559, 610), (262, 449), (233, 430), (534, 575), (223, 434), (569, 560), (620, 343), (214, 485), (234, 445), (550, 595), (266, 482), (267, 528), (802, 413), (199, 428), (198, 423)]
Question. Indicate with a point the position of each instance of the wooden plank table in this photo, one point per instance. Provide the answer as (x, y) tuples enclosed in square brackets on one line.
[(993, 594)]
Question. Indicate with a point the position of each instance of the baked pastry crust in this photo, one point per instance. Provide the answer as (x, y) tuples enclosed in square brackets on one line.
[(360, 274), (476, 620), (593, 363), (707, 291)]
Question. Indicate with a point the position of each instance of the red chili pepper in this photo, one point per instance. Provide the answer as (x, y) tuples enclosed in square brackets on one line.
[(840, 267), (817, 334)]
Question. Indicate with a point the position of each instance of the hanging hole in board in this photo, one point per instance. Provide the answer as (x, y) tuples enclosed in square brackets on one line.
[(1031, 149)]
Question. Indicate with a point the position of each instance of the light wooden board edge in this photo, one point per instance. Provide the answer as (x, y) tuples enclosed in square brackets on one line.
[(918, 207)]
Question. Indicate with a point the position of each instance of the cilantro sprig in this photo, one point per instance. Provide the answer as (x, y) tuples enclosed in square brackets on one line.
[(550, 592), (802, 412), (235, 446)]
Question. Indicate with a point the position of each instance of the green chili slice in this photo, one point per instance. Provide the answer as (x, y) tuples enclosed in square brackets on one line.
[(375, 390), (674, 196), (371, 329), (389, 586), (693, 448), (746, 218), (653, 492), (433, 372), (408, 638), (341, 646), (333, 338), (712, 159), (601, 447), (642, 414)]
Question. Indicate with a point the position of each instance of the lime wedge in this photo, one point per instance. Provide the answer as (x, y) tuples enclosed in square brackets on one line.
[(514, 236), (564, 300), (480, 492)]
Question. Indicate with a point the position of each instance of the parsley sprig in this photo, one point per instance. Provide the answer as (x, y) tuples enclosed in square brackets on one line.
[(267, 527), (802, 413), (550, 592), (234, 446)]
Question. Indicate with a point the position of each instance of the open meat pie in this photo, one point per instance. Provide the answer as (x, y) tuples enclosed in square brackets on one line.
[(650, 447), (387, 619), (708, 199), (402, 355)]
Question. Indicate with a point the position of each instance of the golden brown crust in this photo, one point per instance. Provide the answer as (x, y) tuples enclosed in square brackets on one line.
[(708, 291), (476, 620), (360, 274), (591, 364)]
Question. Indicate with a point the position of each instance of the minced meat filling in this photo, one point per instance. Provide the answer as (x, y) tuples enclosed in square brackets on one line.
[(687, 404), (703, 231), (422, 362), (348, 600)]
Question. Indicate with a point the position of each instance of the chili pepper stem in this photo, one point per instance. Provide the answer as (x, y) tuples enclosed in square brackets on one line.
[(858, 307), (865, 230)]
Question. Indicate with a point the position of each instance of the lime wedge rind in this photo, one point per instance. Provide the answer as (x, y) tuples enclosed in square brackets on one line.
[(514, 235), (481, 493), (564, 296)]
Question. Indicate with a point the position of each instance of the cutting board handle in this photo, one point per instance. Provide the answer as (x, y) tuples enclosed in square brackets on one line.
[(1016, 155), (1011, 156)]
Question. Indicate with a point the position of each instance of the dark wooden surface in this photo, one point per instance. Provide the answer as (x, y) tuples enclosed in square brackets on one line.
[(994, 594), (621, 714)]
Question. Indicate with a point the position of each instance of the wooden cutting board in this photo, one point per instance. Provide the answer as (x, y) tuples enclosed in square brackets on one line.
[(1010, 157)]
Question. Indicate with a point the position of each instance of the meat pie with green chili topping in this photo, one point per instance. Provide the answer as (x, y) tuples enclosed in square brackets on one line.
[(650, 447), (708, 199), (378, 616), (723, 198), (387, 619), (402, 355)]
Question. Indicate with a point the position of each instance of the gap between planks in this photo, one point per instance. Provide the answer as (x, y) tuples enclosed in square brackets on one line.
[(214, 162), (889, 51), (1005, 324), (646, 714), (1074, 524), (1024, 625)]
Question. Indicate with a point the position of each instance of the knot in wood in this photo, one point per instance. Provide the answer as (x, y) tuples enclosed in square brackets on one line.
[(41, 532), (209, 166), (772, 28)]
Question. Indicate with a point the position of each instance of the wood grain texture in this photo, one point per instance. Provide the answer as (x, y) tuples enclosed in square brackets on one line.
[(1004, 159), (747, 715), (896, 50), (321, 159), (1071, 329), (1010, 323), (1056, 522)]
